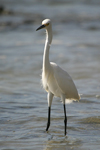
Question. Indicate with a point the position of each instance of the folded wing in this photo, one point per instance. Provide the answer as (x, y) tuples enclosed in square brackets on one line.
[(65, 82)]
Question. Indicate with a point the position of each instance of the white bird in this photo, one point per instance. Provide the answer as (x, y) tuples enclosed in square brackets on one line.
[(55, 80)]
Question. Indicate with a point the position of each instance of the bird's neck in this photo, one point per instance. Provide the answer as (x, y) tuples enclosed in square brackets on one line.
[(46, 62)]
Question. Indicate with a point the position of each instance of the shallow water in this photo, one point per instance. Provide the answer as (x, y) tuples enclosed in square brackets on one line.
[(23, 102)]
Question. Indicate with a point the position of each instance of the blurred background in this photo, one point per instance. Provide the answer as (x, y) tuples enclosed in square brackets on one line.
[(75, 47)]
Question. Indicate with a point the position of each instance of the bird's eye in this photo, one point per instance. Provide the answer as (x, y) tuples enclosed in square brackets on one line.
[(47, 24)]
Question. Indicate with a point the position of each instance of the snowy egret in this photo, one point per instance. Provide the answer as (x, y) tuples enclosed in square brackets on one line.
[(55, 80)]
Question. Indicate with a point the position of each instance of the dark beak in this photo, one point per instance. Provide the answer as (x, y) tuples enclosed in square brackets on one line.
[(41, 27)]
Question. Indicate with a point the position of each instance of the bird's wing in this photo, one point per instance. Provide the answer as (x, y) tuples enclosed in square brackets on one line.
[(65, 82)]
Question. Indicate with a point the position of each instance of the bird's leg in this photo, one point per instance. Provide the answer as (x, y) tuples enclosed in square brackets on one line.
[(50, 97), (65, 120), (48, 123)]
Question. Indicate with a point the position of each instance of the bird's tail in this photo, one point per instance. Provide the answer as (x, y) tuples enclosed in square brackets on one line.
[(70, 100)]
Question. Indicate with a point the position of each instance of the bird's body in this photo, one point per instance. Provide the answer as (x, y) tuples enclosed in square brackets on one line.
[(52, 82), (55, 80)]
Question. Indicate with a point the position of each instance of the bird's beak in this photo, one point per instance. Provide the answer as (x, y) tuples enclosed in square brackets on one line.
[(41, 27)]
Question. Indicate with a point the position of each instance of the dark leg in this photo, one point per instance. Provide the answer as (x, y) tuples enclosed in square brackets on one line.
[(48, 123), (65, 120)]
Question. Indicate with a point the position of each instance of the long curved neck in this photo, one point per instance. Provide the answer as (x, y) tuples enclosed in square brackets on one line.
[(46, 62)]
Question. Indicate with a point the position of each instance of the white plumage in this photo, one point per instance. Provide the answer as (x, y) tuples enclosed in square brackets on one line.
[(55, 80)]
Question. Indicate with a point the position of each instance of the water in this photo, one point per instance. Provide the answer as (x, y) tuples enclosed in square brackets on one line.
[(23, 102)]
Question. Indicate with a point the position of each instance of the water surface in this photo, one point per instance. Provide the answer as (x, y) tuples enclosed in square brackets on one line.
[(23, 102)]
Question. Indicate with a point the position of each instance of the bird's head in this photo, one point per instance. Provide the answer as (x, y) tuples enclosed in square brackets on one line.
[(45, 24)]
